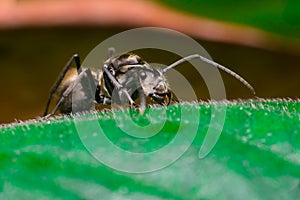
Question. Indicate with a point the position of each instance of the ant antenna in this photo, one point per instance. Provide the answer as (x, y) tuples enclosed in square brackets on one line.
[(221, 67)]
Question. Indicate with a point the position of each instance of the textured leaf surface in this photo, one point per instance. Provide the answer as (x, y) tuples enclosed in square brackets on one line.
[(256, 157)]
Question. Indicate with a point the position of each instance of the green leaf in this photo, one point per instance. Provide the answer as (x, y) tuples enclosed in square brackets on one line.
[(257, 155)]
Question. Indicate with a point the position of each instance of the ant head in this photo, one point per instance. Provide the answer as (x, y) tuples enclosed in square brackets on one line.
[(154, 85), (139, 78)]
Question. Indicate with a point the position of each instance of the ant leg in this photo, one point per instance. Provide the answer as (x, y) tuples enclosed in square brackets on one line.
[(101, 98), (118, 86), (68, 91), (104, 100), (75, 58), (121, 89), (143, 101)]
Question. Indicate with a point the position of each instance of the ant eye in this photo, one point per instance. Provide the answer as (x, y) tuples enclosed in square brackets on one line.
[(143, 75)]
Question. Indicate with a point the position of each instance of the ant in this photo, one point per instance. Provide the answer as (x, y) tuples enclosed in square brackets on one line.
[(123, 77)]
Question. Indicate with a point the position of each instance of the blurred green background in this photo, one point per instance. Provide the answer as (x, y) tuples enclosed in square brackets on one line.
[(281, 17), (32, 57)]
